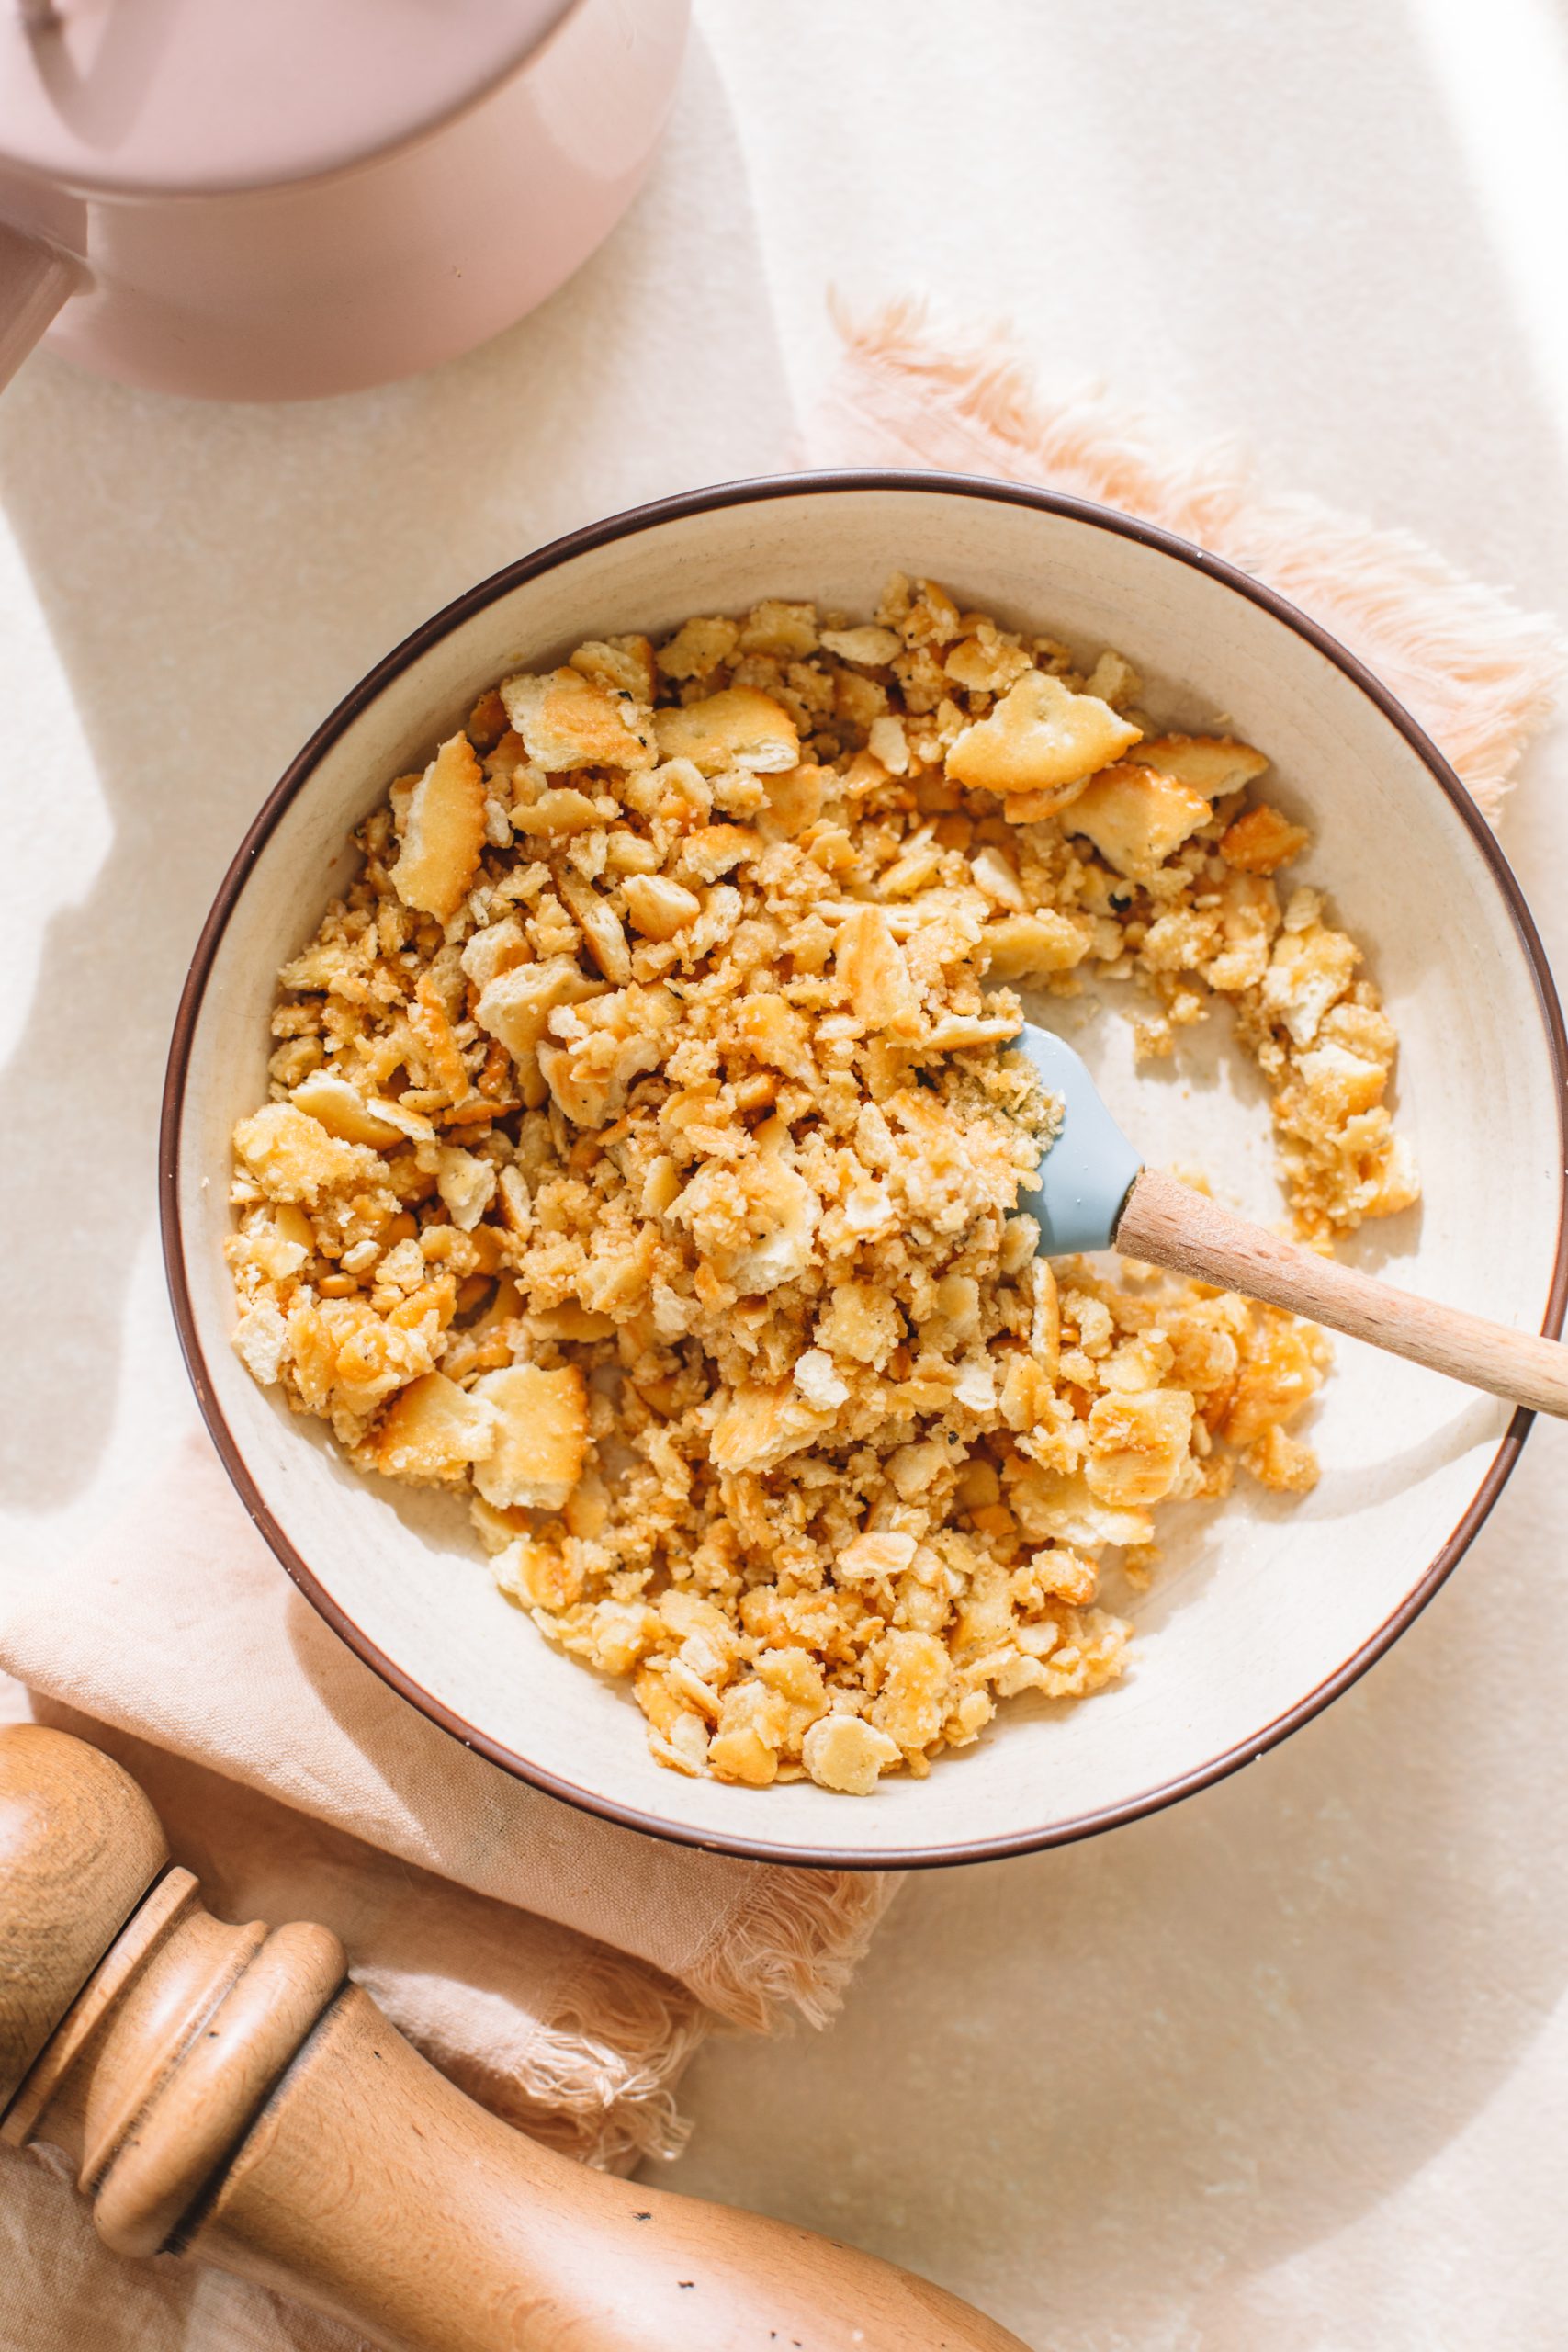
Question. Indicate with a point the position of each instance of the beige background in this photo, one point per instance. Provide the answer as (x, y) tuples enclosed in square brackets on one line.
[(1288, 2067)]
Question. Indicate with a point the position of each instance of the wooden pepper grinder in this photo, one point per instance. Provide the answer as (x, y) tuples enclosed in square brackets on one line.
[(227, 2093)]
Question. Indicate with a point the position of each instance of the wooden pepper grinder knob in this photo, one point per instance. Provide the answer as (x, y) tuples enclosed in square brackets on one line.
[(227, 2093)]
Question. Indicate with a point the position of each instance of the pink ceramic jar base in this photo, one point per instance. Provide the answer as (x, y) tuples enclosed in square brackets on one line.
[(334, 284)]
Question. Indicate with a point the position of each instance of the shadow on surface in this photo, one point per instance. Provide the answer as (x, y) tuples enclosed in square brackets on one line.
[(215, 579)]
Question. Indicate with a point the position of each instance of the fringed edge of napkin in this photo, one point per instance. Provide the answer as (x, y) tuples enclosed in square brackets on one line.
[(601, 2075), (1480, 674), (794, 1945)]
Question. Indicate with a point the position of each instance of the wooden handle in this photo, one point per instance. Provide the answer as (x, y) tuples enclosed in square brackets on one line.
[(225, 2092), (1170, 1225), (35, 280)]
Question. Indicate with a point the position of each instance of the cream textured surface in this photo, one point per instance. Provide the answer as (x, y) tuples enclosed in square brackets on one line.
[(1287, 2067)]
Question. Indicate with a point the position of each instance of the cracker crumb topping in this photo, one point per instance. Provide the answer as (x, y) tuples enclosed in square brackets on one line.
[(642, 1153)]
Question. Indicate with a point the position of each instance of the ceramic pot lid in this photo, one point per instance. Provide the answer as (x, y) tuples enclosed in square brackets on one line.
[(183, 96)]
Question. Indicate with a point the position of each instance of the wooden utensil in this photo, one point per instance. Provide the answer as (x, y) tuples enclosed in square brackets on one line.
[(227, 2093), (1092, 1192)]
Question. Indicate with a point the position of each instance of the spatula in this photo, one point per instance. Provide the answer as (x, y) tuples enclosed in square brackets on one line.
[(1092, 1192)]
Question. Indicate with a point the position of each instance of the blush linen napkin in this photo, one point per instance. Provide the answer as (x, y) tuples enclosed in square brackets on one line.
[(561, 1970)]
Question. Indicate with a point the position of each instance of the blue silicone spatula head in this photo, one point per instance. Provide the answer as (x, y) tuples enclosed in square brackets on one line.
[(1090, 1191), (1081, 1185)]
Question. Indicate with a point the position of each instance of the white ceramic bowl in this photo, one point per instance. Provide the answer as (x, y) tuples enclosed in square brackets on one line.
[(1267, 1607)]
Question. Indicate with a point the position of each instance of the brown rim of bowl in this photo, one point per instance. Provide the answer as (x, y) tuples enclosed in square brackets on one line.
[(546, 559)]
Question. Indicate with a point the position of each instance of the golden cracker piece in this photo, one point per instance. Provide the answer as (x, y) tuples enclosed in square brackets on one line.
[(563, 809), (841, 1752), (1212, 764), (328, 1098), (293, 1158), (1019, 946), (1137, 1446), (432, 1433), (1261, 840), (874, 974), (541, 1436), (739, 728), (516, 1005), (444, 831), (571, 721), (1135, 817), (698, 646), (1040, 743), (872, 647), (785, 630), (621, 664), (660, 907), (760, 1425)]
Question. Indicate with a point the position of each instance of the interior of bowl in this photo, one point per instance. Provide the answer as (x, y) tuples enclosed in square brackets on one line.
[(1265, 1605)]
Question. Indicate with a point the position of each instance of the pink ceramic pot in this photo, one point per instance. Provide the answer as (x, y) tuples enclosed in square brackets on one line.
[(273, 203)]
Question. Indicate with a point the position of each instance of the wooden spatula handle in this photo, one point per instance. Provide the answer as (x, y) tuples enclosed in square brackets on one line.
[(1170, 1225), (227, 2093)]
